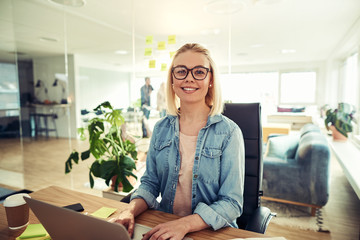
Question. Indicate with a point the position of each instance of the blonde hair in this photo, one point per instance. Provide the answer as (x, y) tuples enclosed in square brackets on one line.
[(213, 97)]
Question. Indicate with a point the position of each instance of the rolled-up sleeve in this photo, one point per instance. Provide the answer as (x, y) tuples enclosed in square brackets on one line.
[(229, 206)]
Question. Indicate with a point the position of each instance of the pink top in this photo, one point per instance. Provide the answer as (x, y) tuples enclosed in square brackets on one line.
[(182, 202)]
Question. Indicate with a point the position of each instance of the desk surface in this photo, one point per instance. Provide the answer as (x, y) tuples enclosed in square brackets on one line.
[(61, 197)]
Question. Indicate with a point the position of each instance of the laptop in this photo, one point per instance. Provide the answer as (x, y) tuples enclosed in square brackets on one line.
[(66, 224)]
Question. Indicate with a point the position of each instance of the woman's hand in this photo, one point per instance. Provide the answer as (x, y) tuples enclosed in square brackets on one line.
[(174, 230), (127, 216), (177, 229), (127, 219)]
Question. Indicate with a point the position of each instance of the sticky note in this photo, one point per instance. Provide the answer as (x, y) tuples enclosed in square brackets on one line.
[(172, 54), (149, 40), (148, 51), (152, 64), (171, 39), (163, 67), (34, 231), (103, 212), (161, 45)]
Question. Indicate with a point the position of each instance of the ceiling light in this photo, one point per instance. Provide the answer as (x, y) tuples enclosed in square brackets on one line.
[(268, 2), (48, 39), (225, 7), (286, 51), (121, 52), (69, 3)]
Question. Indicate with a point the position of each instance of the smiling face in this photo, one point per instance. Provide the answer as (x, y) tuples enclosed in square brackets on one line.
[(190, 90)]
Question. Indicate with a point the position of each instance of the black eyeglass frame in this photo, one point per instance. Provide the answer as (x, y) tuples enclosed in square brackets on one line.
[(190, 70)]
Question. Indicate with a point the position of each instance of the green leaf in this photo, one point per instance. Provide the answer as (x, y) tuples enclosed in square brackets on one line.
[(91, 179), (85, 155), (95, 169), (74, 157), (127, 187), (128, 163), (81, 132)]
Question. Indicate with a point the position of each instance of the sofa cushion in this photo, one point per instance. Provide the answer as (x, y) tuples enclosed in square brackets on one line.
[(282, 146), (309, 128)]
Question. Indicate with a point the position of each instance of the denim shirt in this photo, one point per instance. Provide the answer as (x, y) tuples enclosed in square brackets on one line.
[(218, 172)]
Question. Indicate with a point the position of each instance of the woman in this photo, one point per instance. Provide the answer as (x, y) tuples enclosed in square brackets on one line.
[(196, 155)]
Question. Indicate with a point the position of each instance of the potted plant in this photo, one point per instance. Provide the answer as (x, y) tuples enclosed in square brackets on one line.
[(114, 156), (340, 119)]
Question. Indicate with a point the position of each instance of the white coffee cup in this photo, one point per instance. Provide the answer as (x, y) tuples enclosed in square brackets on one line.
[(17, 211)]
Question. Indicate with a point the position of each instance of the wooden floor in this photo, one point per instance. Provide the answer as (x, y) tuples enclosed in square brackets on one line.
[(35, 164)]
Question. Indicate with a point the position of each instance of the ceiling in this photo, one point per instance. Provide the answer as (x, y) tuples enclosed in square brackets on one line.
[(243, 32)]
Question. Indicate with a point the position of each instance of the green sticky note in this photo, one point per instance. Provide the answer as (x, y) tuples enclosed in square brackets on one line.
[(148, 51), (163, 67), (171, 39), (34, 231), (161, 45), (103, 212), (152, 64), (149, 40)]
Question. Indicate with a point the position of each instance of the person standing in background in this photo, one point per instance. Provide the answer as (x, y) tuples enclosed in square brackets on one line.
[(161, 100), (146, 91)]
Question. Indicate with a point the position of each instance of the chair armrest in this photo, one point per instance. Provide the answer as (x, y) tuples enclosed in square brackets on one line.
[(259, 220)]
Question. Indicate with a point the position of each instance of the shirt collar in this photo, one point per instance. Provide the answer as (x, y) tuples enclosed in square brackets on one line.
[(211, 119)]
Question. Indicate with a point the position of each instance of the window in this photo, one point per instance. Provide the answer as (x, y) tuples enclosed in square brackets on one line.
[(349, 91), (298, 88), (252, 87)]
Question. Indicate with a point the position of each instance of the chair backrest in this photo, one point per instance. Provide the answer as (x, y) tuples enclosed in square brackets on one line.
[(248, 117)]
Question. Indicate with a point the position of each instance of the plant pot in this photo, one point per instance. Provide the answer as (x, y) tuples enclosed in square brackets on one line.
[(113, 180), (337, 136)]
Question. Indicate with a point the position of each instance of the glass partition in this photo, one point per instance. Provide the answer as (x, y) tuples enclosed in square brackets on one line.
[(62, 61), (11, 156)]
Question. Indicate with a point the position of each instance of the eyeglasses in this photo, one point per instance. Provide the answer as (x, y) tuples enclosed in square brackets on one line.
[(181, 72)]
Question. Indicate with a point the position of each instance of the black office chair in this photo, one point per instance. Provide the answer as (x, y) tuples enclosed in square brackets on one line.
[(248, 117)]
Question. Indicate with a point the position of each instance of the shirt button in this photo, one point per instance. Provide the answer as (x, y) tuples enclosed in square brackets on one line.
[(196, 158), (174, 186), (195, 176), (194, 196)]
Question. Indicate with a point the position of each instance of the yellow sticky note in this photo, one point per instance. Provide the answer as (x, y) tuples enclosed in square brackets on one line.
[(148, 51), (171, 39), (152, 64), (103, 212), (149, 40), (172, 54), (161, 45), (163, 67), (34, 231)]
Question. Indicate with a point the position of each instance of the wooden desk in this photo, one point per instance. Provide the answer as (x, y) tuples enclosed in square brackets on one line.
[(61, 197)]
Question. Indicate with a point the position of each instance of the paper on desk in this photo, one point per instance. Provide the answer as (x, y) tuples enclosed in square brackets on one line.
[(103, 212), (34, 232)]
